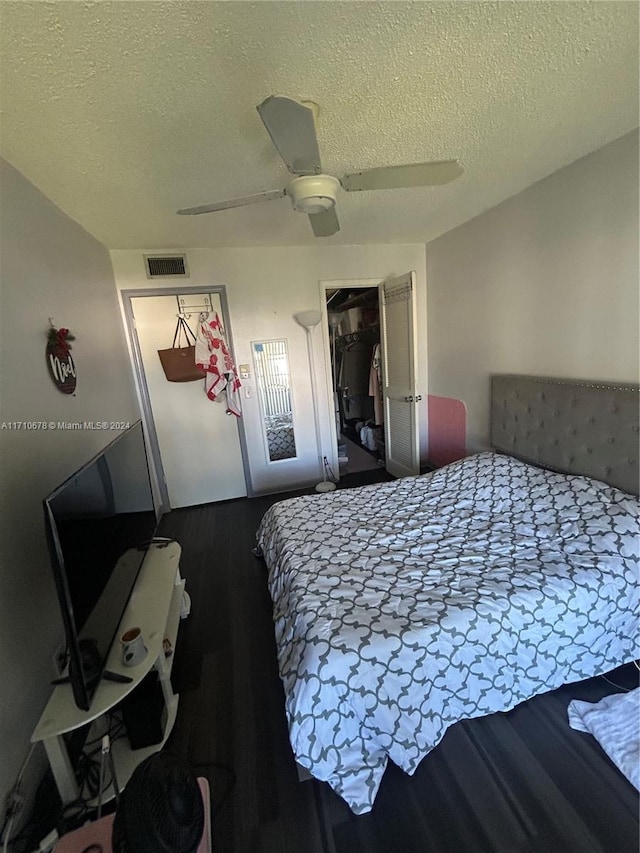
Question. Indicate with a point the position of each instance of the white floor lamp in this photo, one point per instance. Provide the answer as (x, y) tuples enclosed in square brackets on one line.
[(309, 320)]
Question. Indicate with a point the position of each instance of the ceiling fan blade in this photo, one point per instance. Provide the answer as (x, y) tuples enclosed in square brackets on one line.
[(269, 195), (293, 132), (409, 175), (326, 223)]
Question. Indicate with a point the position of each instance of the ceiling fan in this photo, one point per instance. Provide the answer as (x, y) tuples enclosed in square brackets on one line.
[(291, 126)]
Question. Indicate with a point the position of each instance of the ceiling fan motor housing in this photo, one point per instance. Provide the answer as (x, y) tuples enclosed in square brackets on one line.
[(313, 193)]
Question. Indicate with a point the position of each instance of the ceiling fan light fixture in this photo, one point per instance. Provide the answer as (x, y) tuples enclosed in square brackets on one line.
[(313, 193), (291, 125)]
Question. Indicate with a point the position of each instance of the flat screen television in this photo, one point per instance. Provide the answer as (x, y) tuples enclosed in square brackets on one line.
[(99, 523)]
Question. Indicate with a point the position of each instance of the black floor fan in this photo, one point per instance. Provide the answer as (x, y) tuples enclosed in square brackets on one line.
[(160, 810)]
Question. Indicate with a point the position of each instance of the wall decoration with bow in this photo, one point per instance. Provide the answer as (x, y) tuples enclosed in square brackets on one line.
[(59, 361)]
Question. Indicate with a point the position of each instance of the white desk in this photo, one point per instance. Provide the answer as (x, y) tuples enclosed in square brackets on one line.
[(154, 606)]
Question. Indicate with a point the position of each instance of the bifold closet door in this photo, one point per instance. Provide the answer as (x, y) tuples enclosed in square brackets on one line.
[(199, 443)]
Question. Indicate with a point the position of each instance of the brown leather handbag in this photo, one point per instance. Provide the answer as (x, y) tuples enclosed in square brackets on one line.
[(179, 362)]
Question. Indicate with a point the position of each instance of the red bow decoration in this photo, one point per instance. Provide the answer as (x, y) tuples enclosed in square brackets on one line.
[(61, 338)]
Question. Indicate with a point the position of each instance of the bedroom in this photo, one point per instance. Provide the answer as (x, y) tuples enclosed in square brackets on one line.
[(570, 240)]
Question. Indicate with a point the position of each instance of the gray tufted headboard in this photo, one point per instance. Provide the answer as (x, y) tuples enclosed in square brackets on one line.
[(573, 426)]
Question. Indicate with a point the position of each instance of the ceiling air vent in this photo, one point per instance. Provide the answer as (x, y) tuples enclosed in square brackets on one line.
[(166, 266)]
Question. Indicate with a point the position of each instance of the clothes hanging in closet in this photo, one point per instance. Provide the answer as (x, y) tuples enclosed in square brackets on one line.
[(375, 385)]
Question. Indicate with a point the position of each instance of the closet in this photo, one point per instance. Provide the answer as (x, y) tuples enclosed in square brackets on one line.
[(354, 333)]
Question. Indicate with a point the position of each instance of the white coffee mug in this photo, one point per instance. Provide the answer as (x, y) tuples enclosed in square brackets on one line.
[(134, 650)]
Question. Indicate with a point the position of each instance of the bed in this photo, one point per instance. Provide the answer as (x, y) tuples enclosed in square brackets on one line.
[(403, 607)]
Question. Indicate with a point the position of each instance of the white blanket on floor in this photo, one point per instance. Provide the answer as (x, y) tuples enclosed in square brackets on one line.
[(615, 723)]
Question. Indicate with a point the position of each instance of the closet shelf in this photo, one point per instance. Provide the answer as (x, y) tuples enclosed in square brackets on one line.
[(367, 297)]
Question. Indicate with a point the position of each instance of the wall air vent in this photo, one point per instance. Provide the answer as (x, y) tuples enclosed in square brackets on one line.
[(166, 266)]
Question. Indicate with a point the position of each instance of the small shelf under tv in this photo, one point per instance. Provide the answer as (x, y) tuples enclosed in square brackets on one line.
[(155, 606)]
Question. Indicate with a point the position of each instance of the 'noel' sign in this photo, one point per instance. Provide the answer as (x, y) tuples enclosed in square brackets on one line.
[(59, 361)]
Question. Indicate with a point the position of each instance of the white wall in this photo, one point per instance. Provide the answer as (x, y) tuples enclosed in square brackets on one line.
[(265, 288), (50, 267), (545, 283)]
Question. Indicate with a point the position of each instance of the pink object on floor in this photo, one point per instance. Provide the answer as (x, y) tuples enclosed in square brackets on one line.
[(447, 429), (99, 832)]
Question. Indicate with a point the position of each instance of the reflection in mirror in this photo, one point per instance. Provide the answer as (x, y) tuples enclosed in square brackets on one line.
[(272, 376)]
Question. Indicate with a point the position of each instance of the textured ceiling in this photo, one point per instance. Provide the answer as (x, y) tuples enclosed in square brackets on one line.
[(123, 112)]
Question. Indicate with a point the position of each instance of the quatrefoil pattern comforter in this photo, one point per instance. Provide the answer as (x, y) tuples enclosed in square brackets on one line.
[(404, 607)]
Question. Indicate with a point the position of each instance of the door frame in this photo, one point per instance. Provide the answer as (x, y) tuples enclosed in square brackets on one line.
[(337, 284), (127, 296)]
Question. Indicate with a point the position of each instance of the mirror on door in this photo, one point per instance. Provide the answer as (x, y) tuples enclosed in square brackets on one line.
[(271, 363)]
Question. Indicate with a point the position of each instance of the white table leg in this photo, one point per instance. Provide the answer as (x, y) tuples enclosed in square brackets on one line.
[(62, 769)]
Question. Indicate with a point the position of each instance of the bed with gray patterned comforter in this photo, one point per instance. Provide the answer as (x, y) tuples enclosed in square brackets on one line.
[(404, 607)]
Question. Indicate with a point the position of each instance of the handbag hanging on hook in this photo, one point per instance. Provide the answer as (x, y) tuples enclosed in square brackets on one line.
[(179, 362)]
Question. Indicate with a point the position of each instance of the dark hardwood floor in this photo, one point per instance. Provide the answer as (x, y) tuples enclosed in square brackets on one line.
[(521, 782)]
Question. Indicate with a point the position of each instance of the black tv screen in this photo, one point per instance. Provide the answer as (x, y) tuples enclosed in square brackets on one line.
[(99, 524)]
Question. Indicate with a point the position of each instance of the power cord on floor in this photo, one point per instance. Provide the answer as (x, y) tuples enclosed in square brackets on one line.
[(613, 684), (61, 819), (619, 686), (327, 467), (14, 804)]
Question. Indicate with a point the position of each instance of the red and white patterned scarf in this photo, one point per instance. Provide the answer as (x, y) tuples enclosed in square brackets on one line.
[(212, 355)]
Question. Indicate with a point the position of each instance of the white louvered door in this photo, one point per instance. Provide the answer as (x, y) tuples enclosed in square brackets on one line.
[(399, 352)]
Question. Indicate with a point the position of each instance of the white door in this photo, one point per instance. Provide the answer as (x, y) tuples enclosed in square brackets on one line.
[(199, 442), (399, 352)]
